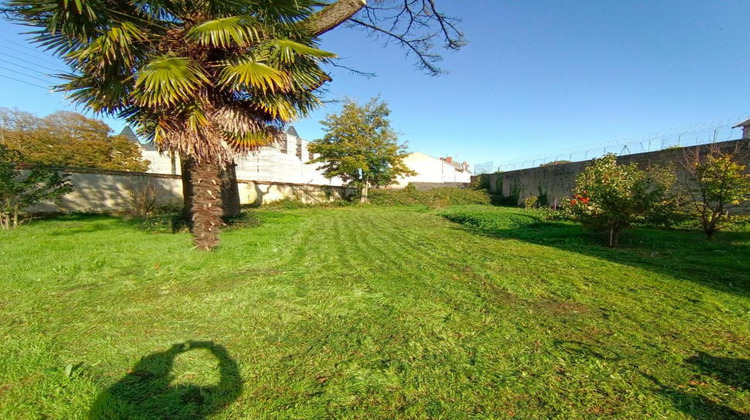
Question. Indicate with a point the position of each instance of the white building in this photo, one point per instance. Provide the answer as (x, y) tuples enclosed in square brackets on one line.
[(434, 170), (286, 161)]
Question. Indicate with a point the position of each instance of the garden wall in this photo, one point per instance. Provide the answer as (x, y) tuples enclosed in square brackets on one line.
[(552, 183), (97, 191)]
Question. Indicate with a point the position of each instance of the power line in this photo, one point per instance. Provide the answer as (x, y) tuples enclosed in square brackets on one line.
[(29, 62), (24, 74), (46, 58), (27, 68), (27, 83)]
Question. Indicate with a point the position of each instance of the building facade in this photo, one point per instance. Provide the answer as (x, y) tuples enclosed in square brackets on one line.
[(287, 161), (431, 170)]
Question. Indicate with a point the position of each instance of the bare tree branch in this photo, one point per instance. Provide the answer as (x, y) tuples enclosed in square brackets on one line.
[(334, 15), (415, 25)]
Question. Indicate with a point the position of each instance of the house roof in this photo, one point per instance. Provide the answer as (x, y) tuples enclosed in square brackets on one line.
[(292, 131), (745, 123), (130, 135)]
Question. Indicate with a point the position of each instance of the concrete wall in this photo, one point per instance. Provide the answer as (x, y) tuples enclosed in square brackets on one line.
[(556, 181), (104, 191)]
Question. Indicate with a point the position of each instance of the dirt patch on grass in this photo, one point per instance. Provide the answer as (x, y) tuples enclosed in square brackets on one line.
[(560, 308)]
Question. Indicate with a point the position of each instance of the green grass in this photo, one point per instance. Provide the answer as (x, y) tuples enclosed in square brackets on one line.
[(369, 312)]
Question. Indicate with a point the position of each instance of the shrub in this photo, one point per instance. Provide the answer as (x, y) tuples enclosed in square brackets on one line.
[(142, 199), (24, 187), (611, 197), (719, 183), (529, 201)]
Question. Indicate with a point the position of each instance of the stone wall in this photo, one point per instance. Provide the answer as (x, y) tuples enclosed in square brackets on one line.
[(553, 183), (105, 191)]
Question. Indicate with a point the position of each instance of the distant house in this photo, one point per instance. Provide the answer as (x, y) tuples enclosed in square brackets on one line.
[(431, 170), (284, 161), (745, 129), (159, 164)]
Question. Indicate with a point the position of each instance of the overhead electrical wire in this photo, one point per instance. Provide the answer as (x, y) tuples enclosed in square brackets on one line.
[(27, 83)]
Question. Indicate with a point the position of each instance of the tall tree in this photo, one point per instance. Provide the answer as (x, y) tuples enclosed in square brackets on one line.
[(206, 80), (68, 139), (360, 147)]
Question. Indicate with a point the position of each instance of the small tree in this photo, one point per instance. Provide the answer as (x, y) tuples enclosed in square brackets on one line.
[(717, 182), (361, 147), (608, 196), (21, 188)]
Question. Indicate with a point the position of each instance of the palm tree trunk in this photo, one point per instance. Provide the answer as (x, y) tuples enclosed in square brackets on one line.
[(207, 211)]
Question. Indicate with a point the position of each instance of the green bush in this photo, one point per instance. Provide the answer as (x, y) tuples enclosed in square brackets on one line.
[(530, 201)]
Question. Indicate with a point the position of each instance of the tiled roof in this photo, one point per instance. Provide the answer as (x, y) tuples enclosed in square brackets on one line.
[(128, 132)]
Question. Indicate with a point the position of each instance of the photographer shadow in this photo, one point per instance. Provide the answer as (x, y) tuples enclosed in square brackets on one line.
[(147, 391)]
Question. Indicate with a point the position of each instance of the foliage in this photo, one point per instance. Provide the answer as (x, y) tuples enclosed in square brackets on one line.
[(432, 198), (21, 187), (143, 199), (68, 139), (719, 182), (611, 197), (369, 312), (482, 182), (530, 201), (360, 147), (206, 80), (554, 163)]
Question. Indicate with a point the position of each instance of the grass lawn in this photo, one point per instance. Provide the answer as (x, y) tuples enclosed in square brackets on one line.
[(366, 312)]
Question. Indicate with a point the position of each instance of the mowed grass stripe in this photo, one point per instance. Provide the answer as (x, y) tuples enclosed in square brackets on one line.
[(374, 313)]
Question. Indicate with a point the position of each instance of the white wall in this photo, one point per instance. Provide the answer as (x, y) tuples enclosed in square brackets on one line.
[(432, 170), (109, 191)]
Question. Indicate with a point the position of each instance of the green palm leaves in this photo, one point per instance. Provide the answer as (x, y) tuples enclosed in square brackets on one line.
[(234, 31), (179, 69), (168, 81)]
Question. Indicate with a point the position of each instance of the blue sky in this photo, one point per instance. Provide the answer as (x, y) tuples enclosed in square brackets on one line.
[(537, 78)]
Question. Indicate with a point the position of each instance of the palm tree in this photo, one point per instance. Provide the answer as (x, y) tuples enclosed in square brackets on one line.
[(206, 79)]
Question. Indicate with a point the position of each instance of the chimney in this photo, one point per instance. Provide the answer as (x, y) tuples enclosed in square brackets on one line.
[(449, 159)]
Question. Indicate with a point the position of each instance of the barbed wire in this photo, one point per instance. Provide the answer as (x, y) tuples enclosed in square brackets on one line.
[(689, 135)]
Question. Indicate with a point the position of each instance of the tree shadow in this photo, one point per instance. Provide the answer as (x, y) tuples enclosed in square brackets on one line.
[(733, 372), (722, 264), (696, 405), (147, 391)]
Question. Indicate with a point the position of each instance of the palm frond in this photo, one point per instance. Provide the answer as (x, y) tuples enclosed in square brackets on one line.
[(167, 81), (286, 51), (239, 31), (118, 45), (247, 73), (277, 107)]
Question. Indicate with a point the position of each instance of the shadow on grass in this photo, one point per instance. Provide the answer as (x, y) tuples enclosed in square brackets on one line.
[(147, 392), (723, 263), (734, 373)]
